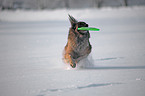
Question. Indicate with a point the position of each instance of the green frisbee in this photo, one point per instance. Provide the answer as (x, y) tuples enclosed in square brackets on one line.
[(88, 28)]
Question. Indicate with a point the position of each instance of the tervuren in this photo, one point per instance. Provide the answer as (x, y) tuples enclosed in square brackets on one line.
[(78, 45)]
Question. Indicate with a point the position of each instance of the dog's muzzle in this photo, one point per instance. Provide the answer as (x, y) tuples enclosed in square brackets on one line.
[(83, 31)]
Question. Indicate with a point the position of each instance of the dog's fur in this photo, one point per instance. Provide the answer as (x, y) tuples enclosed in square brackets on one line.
[(78, 45)]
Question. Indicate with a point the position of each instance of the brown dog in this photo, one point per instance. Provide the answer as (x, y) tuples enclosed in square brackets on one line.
[(78, 45)]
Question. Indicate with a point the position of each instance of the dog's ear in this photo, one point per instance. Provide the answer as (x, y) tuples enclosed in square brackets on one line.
[(72, 20)]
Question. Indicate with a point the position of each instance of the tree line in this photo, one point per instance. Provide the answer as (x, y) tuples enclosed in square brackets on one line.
[(54, 4)]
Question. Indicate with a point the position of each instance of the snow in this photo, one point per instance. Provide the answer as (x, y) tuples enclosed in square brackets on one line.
[(31, 53)]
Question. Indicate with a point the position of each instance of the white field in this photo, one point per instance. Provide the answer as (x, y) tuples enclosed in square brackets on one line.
[(31, 45)]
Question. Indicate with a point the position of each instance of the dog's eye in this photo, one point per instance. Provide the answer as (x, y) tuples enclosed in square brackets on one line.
[(80, 26)]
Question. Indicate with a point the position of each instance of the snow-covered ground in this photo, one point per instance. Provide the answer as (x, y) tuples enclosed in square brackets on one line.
[(31, 53)]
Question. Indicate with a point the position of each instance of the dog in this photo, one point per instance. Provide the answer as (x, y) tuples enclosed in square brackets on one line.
[(78, 45)]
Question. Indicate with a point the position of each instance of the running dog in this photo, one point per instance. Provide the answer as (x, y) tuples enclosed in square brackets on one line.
[(78, 45)]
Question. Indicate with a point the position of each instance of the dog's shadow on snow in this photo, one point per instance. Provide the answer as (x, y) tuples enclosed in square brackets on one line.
[(89, 64), (114, 67), (45, 92)]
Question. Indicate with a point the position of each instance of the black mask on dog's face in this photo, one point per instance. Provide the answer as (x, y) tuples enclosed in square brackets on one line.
[(75, 24), (82, 24)]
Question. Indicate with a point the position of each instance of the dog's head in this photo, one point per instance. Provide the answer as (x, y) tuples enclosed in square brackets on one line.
[(75, 25)]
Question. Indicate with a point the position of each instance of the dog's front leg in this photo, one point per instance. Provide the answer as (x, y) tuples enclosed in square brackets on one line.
[(86, 53), (81, 57), (69, 59)]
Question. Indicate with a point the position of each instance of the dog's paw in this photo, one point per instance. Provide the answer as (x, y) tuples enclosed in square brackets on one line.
[(73, 65)]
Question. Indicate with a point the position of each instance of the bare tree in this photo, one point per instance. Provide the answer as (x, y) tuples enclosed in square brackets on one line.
[(41, 4), (66, 4), (125, 3), (98, 3)]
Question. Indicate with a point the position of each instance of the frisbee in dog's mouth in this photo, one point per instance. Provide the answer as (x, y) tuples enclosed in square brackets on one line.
[(88, 28)]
